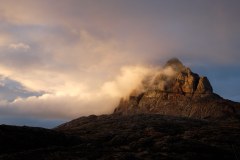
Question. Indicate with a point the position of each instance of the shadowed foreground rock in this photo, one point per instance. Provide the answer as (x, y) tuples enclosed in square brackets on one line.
[(140, 136)]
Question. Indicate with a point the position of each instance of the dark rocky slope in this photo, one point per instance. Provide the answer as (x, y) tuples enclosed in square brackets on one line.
[(141, 136), (184, 93), (15, 140)]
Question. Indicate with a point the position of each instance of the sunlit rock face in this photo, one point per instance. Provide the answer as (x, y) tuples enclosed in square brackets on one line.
[(184, 81), (182, 93)]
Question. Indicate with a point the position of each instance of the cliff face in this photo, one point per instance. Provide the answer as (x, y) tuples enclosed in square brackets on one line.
[(184, 93)]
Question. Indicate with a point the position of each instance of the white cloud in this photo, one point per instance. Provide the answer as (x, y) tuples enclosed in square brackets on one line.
[(70, 101), (19, 46)]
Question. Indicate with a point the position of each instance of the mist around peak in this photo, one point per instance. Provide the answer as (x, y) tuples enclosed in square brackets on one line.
[(86, 99), (174, 77)]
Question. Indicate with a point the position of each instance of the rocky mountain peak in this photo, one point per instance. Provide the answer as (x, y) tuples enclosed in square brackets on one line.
[(179, 92), (182, 81), (175, 64)]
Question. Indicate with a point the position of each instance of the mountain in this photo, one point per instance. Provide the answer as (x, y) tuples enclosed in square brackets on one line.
[(174, 114), (184, 93)]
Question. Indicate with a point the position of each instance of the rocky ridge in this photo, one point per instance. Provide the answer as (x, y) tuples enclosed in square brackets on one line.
[(184, 93)]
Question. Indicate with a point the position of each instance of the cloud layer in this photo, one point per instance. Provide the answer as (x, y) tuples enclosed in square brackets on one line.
[(75, 100), (82, 56)]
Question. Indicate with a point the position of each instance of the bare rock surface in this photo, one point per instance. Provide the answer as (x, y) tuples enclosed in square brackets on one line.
[(184, 94)]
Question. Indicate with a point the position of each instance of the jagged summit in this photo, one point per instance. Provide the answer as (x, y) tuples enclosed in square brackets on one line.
[(178, 91), (183, 80), (175, 63)]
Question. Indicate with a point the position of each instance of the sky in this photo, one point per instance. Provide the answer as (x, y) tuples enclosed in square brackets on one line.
[(60, 59)]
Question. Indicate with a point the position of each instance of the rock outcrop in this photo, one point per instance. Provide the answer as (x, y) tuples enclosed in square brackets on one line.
[(183, 93)]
